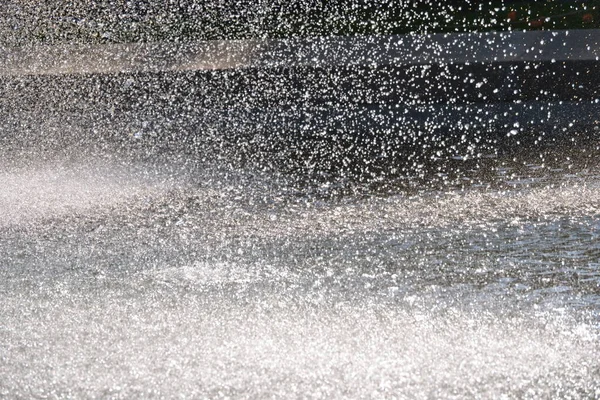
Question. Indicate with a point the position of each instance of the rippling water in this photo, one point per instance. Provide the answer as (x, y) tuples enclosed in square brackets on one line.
[(124, 274)]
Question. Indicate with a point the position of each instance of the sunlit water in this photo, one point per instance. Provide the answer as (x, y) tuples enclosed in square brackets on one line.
[(125, 275)]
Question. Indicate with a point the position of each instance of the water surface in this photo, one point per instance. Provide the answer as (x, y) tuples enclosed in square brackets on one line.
[(127, 273)]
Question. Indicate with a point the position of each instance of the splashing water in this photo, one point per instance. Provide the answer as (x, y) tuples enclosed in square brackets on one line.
[(182, 285), (288, 216)]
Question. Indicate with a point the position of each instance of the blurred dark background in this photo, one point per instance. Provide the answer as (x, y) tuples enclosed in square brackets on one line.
[(52, 21)]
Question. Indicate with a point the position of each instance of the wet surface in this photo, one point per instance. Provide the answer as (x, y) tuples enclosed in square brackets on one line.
[(130, 272)]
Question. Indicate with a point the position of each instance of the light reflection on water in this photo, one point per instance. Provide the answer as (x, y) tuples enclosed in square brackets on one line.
[(172, 278)]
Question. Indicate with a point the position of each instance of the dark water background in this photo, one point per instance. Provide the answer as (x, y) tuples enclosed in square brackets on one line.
[(131, 271)]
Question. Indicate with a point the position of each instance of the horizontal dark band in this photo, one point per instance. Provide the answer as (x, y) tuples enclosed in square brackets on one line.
[(456, 48)]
